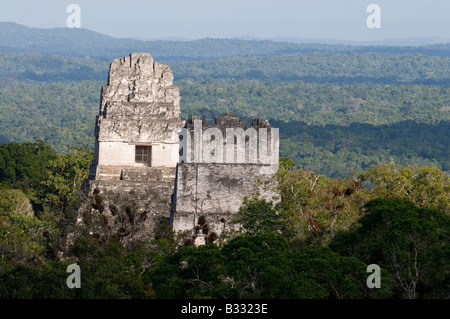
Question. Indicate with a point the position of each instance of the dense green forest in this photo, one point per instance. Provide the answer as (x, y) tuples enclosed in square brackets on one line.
[(322, 67), (316, 67), (340, 150), (60, 113), (315, 242), (51, 68), (319, 104)]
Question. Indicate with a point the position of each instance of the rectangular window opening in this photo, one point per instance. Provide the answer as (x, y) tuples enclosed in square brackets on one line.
[(143, 155)]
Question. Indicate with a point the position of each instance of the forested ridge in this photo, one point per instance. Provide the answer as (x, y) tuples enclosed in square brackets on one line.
[(322, 67), (83, 42), (363, 178)]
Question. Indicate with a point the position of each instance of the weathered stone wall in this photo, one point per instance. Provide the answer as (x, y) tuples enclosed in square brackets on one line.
[(216, 139), (140, 103), (215, 191), (139, 106), (122, 154), (133, 206), (212, 180)]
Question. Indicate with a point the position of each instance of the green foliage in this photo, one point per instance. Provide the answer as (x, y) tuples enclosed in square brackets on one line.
[(62, 114), (338, 151), (50, 180), (337, 277), (14, 201), (315, 103), (321, 67), (316, 207), (52, 68), (65, 174), (424, 186), (410, 242), (193, 272), (106, 271), (22, 166), (286, 163), (258, 216), (35, 282), (258, 266), (24, 239), (52, 183)]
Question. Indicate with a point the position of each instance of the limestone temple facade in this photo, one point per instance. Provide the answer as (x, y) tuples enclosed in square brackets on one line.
[(151, 164)]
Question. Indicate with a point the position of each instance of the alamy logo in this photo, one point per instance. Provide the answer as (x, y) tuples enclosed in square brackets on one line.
[(374, 20), (374, 280), (238, 146), (74, 280), (74, 19)]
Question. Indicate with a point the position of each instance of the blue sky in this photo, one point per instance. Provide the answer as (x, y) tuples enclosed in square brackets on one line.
[(332, 19)]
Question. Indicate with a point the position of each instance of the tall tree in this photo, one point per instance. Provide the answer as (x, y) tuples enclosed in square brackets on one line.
[(424, 186), (411, 242)]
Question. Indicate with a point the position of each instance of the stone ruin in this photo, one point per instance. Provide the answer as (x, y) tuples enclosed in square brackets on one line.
[(151, 167)]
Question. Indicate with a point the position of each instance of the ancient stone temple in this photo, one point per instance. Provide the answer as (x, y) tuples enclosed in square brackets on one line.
[(139, 112), (150, 165), (219, 165)]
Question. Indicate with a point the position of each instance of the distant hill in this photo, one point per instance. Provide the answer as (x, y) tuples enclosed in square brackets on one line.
[(83, 42), (384, 42)]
